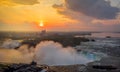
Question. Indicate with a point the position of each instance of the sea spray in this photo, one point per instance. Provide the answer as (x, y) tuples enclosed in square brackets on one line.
[(9, 43), (46, 52), (53, 53)]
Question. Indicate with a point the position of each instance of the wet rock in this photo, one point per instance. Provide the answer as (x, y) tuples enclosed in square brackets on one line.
[(69, 68), (109, 64), (23, 68), (92, 40)]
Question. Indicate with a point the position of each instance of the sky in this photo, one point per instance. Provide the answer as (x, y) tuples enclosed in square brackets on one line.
[(60, 15)]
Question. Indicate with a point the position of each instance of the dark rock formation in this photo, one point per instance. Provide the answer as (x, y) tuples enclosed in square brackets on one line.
[(110, 64), (64, 40), (40, 68), (23, 68)]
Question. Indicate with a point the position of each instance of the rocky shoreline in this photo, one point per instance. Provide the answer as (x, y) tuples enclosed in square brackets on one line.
[(33, 67), (110, 64), (39, 68)]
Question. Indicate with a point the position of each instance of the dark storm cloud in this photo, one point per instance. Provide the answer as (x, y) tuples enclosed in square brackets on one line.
[(100, 9)]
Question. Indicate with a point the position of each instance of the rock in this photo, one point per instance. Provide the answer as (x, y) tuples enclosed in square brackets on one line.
[(93, 40), (33, 63), (23, 68), (110, 64), (68, 68)]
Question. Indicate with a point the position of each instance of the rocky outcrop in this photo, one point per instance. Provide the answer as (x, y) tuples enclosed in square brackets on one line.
[(40, 68), (110, 64), (64, 40), (69, 68), (24, 68)]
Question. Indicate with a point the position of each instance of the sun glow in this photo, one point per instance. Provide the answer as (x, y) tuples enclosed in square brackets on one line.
[(41, 24)]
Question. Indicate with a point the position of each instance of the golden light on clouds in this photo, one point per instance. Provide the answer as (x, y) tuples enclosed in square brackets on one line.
[(106, 22), (25, 15)]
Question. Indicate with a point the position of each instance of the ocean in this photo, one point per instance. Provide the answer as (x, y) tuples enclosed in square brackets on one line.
[(52, 53), (104, 45)]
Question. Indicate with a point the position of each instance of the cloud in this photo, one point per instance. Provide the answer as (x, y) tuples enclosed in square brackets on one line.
[(26, 2), (90, 14), (108, 22), (73, 15), (57, 6), (99, 9), (18, 2)]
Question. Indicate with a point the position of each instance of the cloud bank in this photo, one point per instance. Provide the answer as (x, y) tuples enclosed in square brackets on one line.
[(91, 15), (100, 9)]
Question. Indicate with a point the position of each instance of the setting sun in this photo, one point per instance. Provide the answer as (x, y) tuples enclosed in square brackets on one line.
[(41, 24)]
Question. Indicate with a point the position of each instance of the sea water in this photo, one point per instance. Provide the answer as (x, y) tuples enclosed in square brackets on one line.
[(101, 47)]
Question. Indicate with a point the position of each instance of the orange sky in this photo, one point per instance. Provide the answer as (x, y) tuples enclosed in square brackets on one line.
[(13, 13), (25, 15)]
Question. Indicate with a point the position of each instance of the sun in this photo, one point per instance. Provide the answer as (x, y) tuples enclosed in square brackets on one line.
[(41, 24)]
